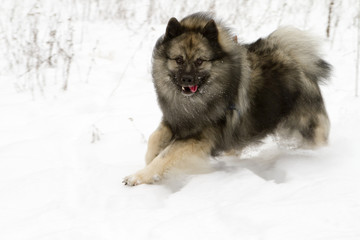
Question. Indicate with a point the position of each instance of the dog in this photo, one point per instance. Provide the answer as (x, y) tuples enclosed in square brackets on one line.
[(218, 95)]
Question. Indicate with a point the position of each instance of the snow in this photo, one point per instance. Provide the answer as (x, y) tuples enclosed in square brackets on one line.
[(63, 155)]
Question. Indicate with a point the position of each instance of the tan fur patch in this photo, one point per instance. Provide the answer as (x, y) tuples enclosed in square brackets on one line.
[(179, 154), (322, 131), (158, 140)]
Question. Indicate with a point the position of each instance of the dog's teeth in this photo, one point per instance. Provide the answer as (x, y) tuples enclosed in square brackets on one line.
[(183, 88)]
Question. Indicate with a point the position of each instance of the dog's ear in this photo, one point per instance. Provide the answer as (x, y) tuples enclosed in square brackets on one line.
[(210, 31), (173, 29)]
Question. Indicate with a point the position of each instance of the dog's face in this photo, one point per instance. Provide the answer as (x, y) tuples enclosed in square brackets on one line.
[(189, 62), (190, 57)]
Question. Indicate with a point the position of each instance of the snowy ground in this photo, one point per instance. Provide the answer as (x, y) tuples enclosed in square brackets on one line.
[(63, 156)]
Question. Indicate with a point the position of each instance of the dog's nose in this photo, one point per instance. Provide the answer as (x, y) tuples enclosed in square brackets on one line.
[(187, 79)]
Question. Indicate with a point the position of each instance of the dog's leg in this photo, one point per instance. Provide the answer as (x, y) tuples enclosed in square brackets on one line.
[(315, 131), (321, 132), (177, 154), (158, 140)]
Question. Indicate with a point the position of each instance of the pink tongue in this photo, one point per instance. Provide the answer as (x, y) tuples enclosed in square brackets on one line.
[(193, 88)]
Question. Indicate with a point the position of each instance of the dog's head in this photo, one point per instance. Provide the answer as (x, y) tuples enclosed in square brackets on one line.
[(186, 57), (190, 55), (196, 68)]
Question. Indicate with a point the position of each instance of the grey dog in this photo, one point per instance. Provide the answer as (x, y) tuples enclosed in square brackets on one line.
[(218, 95)]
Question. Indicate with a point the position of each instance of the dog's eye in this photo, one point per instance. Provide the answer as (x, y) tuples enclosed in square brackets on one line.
[(199, 61), (179, 60)]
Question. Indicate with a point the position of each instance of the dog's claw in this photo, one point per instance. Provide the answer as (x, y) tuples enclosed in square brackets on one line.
[(127, 182), (131, 181), (124, 182)]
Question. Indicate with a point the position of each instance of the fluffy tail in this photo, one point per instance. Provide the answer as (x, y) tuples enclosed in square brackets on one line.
[(304, 48)]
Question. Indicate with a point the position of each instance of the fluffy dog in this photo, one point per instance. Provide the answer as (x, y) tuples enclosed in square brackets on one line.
[(217, 95)]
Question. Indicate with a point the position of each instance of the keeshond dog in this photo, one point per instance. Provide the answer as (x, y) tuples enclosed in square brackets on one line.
[(218, 95)]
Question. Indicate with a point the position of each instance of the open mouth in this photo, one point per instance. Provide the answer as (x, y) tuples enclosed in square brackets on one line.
[(189, 90)]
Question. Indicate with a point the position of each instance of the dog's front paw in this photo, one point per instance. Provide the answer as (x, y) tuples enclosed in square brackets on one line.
[(141, 177)]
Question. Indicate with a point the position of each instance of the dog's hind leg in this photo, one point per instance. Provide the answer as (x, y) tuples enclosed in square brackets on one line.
[(308, 127), (158, 140), (315, 131)]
